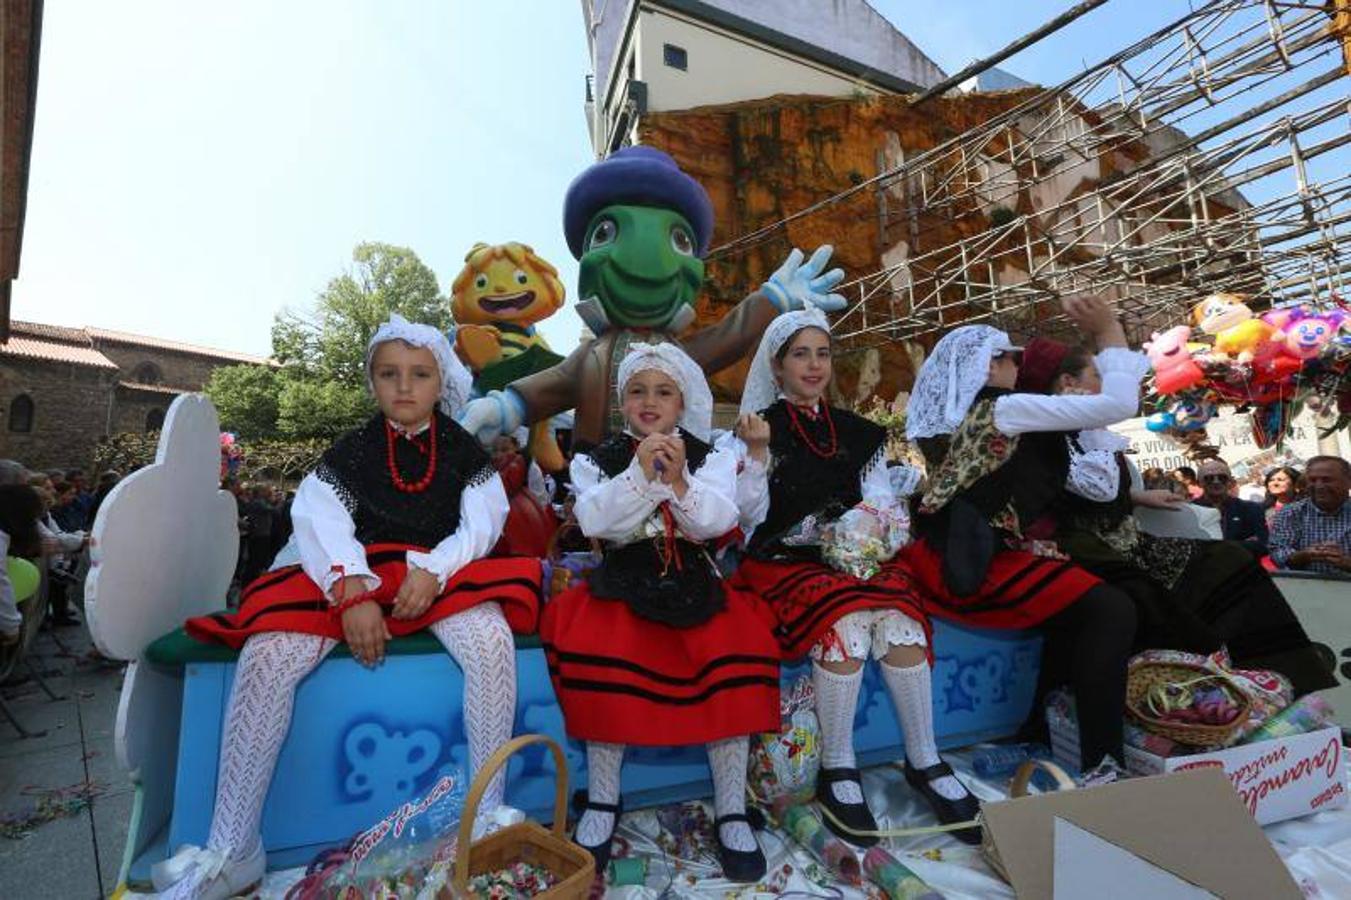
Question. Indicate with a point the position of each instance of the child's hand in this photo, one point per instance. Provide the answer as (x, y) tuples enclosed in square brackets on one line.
[(672, 455), (364, 629), (753, 430), (346, 588), (1158, 499), (1095, 317), (647, 455), (416, 594)]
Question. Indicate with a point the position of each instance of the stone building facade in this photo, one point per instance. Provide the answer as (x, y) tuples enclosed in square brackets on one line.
[(62, 390)]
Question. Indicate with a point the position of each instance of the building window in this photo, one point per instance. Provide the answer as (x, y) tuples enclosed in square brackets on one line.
[(147, 373), (154, 420), (675, 57), (21, 414)]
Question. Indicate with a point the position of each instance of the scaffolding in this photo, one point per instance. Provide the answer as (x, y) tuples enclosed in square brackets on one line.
[(1211, 155)]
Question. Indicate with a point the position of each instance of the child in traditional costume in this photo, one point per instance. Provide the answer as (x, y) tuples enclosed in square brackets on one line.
[(809, 464), (391, 530), (997, 460), (655, 649), (1190, 594)]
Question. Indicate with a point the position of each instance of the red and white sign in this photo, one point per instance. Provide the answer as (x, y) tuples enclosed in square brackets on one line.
[(1279, 779)]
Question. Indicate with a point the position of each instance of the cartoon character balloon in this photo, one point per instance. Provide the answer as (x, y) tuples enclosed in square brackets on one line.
[(502, 292), (1174, 369), (1306, 336), (639, 227), (1228, 318), (1186, 415)]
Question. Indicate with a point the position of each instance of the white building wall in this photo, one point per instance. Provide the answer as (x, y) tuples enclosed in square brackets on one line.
[(723, 67)]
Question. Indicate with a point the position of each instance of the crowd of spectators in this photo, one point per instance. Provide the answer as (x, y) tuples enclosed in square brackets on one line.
[(45, 517), (1300, 519), (264, 525)]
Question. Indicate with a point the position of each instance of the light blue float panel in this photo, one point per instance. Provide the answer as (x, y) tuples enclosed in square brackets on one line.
[(362, 742)]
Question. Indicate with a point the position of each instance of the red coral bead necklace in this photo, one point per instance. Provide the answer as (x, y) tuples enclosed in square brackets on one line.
[(416, 487), (832, 442)]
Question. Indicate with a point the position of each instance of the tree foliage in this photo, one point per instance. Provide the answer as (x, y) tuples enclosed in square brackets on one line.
[(246, 397), (279, 461), (320, 409), (319, 391), (329, 342)]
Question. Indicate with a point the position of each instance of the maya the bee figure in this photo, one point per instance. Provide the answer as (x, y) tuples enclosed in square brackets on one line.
[(499, 295)]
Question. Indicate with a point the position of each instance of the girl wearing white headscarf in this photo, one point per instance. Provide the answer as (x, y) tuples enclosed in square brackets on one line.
[(654, 648), (997, 459), (391, 530), (819, 463)]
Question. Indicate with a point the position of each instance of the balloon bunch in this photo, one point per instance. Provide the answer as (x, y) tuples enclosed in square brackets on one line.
[(1269, 365), (231, 455)]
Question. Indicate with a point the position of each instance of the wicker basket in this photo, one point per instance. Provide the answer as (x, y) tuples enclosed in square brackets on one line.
[(1018, 788), (527, 842), (1143, 677)]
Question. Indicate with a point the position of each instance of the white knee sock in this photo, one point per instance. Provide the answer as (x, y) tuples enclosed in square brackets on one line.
[(256, 722), (836, 700), (603, 765), (911, 690), (480, 641), (727, 758)]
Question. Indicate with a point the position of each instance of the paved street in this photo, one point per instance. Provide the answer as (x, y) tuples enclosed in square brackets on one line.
[(76, 856)]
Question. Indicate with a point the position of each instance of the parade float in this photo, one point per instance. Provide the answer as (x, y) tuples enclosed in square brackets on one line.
[(362, 741)]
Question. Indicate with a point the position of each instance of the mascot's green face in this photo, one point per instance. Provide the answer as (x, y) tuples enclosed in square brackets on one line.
[(640, 263)]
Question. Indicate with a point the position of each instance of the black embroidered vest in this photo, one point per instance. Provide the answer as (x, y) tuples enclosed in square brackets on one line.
[(986, 515), (676, 585), (802, 483), (357, 468)]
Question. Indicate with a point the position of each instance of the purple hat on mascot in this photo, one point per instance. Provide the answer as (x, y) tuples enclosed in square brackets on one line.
[(640, 176)]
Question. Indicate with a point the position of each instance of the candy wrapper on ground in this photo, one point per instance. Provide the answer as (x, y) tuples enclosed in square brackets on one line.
[(858, 542), (406, 855), (783, 766)]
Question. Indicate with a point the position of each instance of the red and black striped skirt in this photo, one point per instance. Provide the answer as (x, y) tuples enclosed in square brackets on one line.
[(624, 679), (1020, 590), (808, 598), (287, 599)]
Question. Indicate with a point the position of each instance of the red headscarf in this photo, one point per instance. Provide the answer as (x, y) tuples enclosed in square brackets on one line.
[(1041, 358)]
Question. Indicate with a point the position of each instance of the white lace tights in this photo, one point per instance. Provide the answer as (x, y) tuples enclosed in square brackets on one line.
[(259, 714), (727, 758)]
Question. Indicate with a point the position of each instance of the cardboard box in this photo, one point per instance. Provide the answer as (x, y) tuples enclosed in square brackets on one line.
[(1279, 779), (1183, 835)]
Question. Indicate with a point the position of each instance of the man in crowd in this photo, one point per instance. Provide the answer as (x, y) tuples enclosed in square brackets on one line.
[(1314, 534), (84, 500), (1240, 520), (260, 518)]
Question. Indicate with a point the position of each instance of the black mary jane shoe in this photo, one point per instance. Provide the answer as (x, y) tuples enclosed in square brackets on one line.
[(947, 811), (856, 816), (581, 802), (739, 865)]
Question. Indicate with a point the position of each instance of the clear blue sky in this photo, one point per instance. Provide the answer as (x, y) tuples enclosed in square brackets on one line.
[(196, 168)]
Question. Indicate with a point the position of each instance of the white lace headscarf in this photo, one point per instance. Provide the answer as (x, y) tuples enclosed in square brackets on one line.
[(761, 389), (456, 381), (950, 378), (674, 363)]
